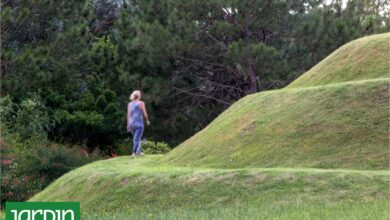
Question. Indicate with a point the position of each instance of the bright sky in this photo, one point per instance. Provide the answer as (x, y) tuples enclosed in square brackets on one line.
[(342, 6), (385, 9)]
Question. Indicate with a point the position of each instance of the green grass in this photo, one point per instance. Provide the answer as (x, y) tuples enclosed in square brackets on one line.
[(333, 116), (322, 210), (341, 125), (144, 187), (364, 58), (317, 149)]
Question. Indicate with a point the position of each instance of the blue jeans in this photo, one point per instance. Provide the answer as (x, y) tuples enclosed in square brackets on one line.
[(137, 135)]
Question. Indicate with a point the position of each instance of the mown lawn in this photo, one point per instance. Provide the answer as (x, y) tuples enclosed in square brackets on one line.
[(143, 188), (341, 125), (321, 210), (333, 116), (364, 58)]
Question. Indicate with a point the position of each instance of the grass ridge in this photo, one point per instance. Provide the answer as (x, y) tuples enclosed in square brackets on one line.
[(363, 58), (317, 149)]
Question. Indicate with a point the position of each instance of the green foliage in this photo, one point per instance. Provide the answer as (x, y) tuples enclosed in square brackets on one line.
[(125, 146), (151, 147), (54, 160), (83, 122), (29, 165), (191, 60), (32, 118), (16, 187), (85, 115), (7, 111)]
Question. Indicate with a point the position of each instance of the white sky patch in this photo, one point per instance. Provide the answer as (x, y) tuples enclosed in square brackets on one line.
[(343, 3), (229, 10)]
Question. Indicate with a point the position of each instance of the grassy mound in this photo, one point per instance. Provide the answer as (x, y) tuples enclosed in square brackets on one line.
[(364, 58), (144, 187), (237, 165), (342, 125), (333, 116)]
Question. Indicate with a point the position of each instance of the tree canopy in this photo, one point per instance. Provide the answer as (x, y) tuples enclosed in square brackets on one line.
[(191, 59)]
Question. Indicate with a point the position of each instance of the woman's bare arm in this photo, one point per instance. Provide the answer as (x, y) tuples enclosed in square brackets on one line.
[(144, 112), (128, 116)]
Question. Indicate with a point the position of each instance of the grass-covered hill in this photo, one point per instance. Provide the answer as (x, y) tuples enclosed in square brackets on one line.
[(364, 58), (314, 151), (334, 126), (145, 189), (334, 116)]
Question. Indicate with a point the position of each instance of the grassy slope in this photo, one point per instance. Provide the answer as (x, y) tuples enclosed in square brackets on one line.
[(364, 58), (324, 210), (334, 126), (320, 120), (341, 125), (123, 185)]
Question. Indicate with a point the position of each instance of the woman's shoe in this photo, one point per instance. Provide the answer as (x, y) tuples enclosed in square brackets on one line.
[(133, 155), (142, 154)]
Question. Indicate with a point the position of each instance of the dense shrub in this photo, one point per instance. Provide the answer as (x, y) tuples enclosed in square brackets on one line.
[(151, 147), (89, 115), (16, 186), (53, 160), (7, 112), (125, 146), (30, 118), (29, 165), (29, 160)]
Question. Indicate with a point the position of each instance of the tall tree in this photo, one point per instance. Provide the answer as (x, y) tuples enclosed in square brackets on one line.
[(326, 25), (42, 44), (192, 59), (230, 45)]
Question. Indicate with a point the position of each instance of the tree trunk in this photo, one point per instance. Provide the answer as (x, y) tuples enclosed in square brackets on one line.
[(250, 70), (252, 81)]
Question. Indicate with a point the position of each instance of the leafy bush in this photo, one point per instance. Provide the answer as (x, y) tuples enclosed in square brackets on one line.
[(53, 160), (7, 111), (125, 146), (151, 147), (29, 119), (89, 115), (32, 118), (15, 186), (30, 165)]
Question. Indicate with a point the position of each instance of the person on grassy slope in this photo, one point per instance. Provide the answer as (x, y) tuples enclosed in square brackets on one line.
[(136, 113)]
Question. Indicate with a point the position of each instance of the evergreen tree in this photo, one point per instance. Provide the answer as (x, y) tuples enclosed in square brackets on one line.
[(191, 59)]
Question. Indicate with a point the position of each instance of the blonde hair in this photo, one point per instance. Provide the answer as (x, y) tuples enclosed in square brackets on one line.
[(136, 94)]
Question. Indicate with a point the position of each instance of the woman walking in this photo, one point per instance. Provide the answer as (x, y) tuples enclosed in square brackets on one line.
[(136, 113)]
